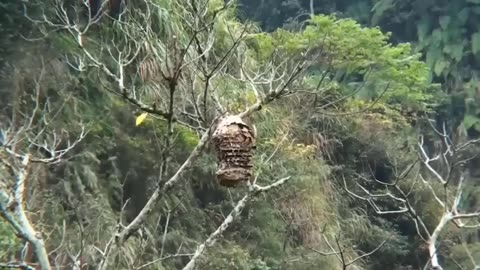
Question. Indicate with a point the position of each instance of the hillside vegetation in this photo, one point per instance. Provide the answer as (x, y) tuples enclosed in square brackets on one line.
[(365, 151)]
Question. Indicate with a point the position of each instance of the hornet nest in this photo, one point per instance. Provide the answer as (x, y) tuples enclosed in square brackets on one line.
[(234, 143)]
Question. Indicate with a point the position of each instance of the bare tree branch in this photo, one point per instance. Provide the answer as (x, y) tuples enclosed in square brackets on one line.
[(142, 60), (340, 253), (18, 151), (450, 206), (254, 190), (14, 265)]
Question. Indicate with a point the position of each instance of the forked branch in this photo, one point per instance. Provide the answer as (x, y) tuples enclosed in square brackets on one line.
[(25, 139), (442, 167), (340, 251), (254, 190)]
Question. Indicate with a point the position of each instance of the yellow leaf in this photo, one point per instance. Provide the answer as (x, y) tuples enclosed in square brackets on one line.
[(140, 118)]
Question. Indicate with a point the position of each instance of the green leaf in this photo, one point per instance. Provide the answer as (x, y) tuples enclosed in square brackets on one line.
[(380, 8), (462, 16), (437, 36), (440, 66), (470, 120), (423, 28), (433, 55), (476, 10), (455, 51), (476, 43), (444, 21)]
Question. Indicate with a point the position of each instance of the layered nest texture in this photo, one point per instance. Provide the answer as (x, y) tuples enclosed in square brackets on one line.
[(234, 143)]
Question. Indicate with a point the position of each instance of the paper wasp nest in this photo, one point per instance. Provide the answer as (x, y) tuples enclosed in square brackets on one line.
[(234, 143)]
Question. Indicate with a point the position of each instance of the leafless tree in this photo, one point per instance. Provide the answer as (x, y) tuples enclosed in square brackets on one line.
[(341, 252), (444, 174), (27, 138), (177, 79)]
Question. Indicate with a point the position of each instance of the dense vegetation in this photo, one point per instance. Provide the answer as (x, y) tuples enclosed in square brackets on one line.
[(339, 104), (445, 32)]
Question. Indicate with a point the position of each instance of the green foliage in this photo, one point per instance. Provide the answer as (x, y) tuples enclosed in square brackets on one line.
[(476, 43), (358, 73), (9, 243), (362, 55), (444, 32), (446, 35), (228, 255), (464, 255)]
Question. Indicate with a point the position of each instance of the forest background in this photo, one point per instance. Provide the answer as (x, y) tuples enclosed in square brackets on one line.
[(366, 110)]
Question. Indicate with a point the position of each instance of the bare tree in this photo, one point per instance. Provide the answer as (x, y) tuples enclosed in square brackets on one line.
[(27, 139), (341, 252), (444, 175), (178, 79), (254, 190)]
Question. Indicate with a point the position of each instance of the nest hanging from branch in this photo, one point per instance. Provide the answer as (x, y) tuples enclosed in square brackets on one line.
[(234, 143)]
